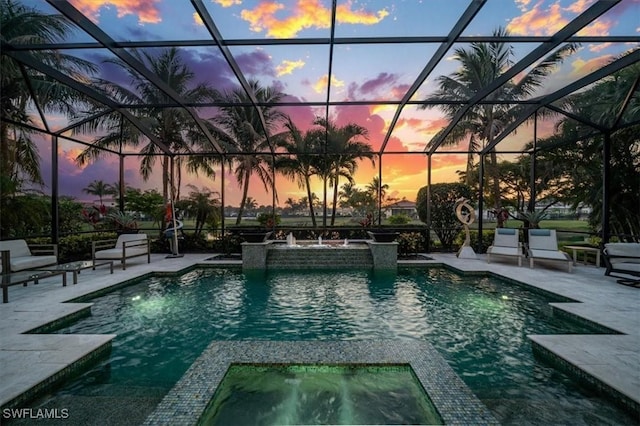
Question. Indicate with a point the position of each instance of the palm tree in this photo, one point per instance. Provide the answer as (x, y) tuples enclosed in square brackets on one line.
[(204, 205), (301, 165), (347, 191), (19, 159), (250, 204), (480, 64), (173, 126), (240, 127), (99, 189), (341, 155), (377, 190)]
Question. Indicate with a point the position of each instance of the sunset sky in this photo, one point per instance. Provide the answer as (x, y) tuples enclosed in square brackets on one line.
[(360, 72)]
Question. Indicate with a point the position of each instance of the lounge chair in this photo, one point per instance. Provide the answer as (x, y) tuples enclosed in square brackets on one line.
[(543, 245), (125, 247), (23, 256), (506, 243), (623, 258)]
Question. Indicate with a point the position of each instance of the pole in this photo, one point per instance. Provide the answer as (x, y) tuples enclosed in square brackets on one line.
[(175, 252)]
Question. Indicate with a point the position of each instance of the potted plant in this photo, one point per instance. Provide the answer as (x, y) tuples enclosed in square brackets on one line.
[(532, 219), (123, 223)]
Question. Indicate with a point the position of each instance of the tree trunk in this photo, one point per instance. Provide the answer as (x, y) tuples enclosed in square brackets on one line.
[(496, 181), (335, 201), (310, 199), (178, 171), (6, 163), (245, 191), (165, 189)]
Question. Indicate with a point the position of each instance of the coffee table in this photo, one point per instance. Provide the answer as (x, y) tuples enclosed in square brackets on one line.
[(23, 277), (585, 250), (76, 267)]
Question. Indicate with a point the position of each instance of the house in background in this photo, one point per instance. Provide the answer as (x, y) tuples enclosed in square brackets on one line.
[(403, 206)]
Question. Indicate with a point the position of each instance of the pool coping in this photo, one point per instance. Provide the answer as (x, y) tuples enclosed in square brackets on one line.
[(188, 400), (590, 295)]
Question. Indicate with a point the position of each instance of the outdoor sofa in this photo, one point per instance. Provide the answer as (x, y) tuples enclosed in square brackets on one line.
[(623, 258), (125, 247), (23, 256)]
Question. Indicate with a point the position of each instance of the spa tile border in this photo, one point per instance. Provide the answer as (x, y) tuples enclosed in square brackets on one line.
[(190, 397)]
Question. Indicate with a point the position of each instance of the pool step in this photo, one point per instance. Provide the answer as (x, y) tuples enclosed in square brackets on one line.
[(319, 258)]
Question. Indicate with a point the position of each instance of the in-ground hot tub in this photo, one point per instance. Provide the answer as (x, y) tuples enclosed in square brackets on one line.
[(281, 394)]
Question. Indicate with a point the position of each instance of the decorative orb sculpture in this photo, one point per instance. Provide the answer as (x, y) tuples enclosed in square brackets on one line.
[(466, 215)]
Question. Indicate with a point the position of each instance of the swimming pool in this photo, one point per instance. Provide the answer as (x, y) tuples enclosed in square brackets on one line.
[(479, 324)]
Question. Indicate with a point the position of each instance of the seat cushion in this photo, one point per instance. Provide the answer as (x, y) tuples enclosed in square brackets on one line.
[(627, 266), (129, 237), (621, 251), (29, 262), (548, 254), (116, 253), (504, 251), (18, 248)]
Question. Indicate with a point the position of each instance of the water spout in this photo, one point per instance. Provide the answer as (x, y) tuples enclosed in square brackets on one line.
[(319, 241)]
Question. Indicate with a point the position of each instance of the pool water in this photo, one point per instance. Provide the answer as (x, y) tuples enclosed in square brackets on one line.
[(320, 394), (479, 324)]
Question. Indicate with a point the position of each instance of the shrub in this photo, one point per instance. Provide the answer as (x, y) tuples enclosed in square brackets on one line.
[(410, 243), (269, 220), (228, 244), (399, 219), (443, 217), (487, 239)]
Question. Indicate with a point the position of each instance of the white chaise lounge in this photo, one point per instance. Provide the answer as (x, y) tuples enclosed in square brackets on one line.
[(23, 256), (543, 245), (125, 247), (506, 243)]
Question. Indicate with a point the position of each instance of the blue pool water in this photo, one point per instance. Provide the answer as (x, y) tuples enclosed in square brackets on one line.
[(478, 324)]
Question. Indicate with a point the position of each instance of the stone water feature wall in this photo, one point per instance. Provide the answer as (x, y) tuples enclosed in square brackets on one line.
[(308, 255)]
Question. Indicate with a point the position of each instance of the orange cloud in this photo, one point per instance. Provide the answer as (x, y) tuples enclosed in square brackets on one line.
[(436, 125), (581, 67), (409, 122), (579, 6), (197, 19), (321, 85), (305, 14), (538, 22), (344, 15), (71, 156), (287, 67), (227, 3), (597, 28), (522, 4), (146, 10)]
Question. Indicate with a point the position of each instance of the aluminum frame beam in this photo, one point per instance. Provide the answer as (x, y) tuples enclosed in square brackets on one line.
[(324, 41)]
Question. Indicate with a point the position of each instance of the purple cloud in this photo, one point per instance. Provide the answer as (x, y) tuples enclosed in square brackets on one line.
[(383, 79), (256, 63)]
